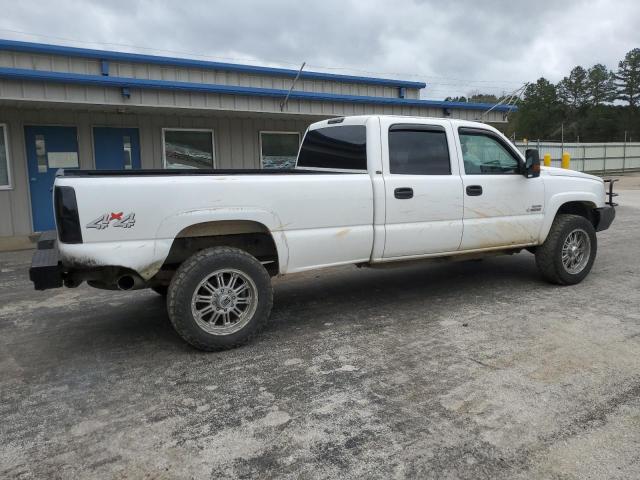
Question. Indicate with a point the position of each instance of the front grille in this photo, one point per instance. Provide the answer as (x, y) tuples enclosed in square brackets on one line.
[(67, 219)]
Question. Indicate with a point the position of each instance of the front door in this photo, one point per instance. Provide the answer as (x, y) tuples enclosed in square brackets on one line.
[(48, 149), (423, 189), (116, 148), (501, 206)]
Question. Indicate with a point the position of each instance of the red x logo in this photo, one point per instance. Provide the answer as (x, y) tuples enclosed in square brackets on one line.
[(116, 216)]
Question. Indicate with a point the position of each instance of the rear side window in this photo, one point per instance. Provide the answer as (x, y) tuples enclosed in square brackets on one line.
[(342, 147), (418, 150)]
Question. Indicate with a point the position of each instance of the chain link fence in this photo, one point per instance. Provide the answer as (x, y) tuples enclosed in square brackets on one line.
[(615, 157)]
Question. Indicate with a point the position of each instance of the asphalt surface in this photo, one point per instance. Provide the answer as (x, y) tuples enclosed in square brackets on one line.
[(460, 370)]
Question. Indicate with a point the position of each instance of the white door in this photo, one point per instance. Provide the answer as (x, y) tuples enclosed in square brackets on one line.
[(423, 189), (501, 206)]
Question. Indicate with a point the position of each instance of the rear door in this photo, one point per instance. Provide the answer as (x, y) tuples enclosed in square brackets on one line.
[(423, 188), (49, 148), (501, 206)]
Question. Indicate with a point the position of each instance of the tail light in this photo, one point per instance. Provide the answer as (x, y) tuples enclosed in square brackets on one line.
[(67, 218)]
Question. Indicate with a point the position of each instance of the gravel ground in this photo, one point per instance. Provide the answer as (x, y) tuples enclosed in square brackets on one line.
[(463, 370)]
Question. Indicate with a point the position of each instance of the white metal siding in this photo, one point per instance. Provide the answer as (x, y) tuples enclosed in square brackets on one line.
[(59, 63), (94, 95)]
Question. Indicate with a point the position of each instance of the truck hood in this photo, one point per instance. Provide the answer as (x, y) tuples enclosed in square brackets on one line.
[(563, 172)]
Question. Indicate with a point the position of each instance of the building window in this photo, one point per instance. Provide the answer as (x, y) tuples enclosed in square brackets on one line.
[(188, 148), (279, 149), (5, 177)]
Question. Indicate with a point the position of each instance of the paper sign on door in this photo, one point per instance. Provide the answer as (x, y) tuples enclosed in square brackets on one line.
[(62, 159)]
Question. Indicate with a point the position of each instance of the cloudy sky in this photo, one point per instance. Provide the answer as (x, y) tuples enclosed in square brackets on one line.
[(456, 47)]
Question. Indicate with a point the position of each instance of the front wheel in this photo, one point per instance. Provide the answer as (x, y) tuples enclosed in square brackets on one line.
[(568, 253), (219, 298)]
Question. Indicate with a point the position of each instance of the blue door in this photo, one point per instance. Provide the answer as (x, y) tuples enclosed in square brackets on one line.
[(116, 148), (48, 149)]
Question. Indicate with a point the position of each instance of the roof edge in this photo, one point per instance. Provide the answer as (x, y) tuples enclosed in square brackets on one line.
[(124, 82), (43, 48)]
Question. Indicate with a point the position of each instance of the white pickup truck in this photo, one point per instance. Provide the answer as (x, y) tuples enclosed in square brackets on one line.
[(366, 190)]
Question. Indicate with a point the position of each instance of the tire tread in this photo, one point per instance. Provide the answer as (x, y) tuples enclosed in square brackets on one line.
[(177, 303), (546, 260)]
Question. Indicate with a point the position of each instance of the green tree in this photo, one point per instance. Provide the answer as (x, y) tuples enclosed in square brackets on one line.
[(628, 78), (539, 112), (573, 90), (478, 97), (601, 86)]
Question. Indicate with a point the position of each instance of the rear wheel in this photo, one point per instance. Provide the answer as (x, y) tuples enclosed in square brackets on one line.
[(568, 253), (219, 298)]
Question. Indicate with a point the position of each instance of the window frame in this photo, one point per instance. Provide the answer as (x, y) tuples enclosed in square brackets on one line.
[(5, 130), (418, 127), (488, 133), (170, 129), (278, 132)]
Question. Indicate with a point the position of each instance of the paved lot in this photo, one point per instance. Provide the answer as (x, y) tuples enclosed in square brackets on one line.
[(467, 370)]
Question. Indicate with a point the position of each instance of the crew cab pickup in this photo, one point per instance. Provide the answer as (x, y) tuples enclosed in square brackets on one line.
[(366, 191)]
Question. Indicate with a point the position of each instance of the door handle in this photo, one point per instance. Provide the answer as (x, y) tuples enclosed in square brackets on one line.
[(403, 193), (474, 190)]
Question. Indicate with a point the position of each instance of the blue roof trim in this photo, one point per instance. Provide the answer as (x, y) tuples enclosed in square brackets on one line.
[(120, 82), (43, 48)]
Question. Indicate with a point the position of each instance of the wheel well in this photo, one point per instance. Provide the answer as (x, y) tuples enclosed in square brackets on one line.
[(252, 237), (583, 209)]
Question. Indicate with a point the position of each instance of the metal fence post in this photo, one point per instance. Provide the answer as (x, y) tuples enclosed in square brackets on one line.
[(604, 160), (584, 155), (624, 151)]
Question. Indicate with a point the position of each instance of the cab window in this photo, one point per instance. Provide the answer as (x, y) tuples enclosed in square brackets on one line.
[(485, 155), (341, 147), (418, 150)]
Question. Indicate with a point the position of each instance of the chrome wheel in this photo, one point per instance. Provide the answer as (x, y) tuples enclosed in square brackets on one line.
[(576, 251), (224, 302)]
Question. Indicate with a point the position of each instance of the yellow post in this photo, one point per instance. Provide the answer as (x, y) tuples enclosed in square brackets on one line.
[(566, 160), (547, 159)]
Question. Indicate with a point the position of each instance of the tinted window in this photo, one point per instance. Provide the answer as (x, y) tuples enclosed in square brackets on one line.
[(485, 155), (418, 152), (335, 147)]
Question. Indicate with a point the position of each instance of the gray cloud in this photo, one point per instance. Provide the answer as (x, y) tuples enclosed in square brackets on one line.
[(456, 47)]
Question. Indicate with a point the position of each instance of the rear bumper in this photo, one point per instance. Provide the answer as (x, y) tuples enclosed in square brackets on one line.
[(605, 217), (46, 269)]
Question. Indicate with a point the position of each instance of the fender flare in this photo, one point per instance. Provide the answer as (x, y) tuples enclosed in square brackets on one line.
[(173, 224), (559, 199)]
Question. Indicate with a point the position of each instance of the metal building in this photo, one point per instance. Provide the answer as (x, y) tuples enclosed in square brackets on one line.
[(64, 107)]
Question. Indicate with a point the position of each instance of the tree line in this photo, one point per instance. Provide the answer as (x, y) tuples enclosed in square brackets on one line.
[(592, 104)]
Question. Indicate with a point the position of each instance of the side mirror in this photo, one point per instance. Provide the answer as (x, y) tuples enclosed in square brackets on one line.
[(531, 163)]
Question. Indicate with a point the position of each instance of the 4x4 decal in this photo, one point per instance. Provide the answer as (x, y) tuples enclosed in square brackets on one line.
[(121, 220)]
